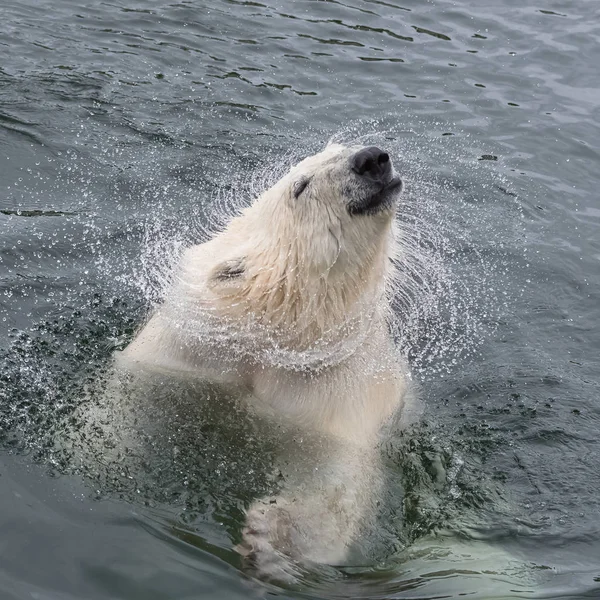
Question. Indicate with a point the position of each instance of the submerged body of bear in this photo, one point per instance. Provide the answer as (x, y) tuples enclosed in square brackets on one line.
[(290, 305)]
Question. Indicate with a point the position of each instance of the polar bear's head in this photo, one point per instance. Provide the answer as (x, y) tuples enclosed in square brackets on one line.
[(315, 247)]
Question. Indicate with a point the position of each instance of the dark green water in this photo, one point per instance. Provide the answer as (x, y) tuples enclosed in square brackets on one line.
[(128, 128)]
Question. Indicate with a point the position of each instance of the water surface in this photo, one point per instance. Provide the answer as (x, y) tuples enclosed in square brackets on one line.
[(127, 129)]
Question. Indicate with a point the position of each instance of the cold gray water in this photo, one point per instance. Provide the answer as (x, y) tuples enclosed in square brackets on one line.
[(130, 129)]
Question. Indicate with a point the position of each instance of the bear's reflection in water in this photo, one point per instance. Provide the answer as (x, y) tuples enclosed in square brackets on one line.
[(197, 458)]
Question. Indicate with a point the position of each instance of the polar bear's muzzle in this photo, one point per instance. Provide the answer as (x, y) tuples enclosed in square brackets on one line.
[(376, 183)]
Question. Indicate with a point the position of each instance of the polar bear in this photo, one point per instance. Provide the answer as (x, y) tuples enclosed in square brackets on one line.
[(289, 305)]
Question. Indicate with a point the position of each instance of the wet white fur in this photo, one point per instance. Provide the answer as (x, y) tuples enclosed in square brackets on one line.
[(290, 304)]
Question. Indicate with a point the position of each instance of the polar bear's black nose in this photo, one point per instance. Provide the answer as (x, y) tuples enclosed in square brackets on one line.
[(372, 162)]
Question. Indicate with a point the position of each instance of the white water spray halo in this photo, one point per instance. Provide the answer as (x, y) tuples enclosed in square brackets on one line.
[(446, 295)]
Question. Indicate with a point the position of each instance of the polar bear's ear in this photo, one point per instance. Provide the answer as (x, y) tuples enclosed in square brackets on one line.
[(227, 272), (300, 186)]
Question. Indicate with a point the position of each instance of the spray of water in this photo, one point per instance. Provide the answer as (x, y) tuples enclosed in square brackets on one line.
[(455, 218), (448, 289)]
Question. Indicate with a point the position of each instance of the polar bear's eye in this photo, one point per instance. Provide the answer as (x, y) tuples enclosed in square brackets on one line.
[(228, 271), (300, 186)]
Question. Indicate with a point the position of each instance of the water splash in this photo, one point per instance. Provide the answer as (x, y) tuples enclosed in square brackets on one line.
[(454, 221)]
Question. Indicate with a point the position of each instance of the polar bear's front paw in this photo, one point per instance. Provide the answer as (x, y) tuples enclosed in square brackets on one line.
[(266, 546)]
